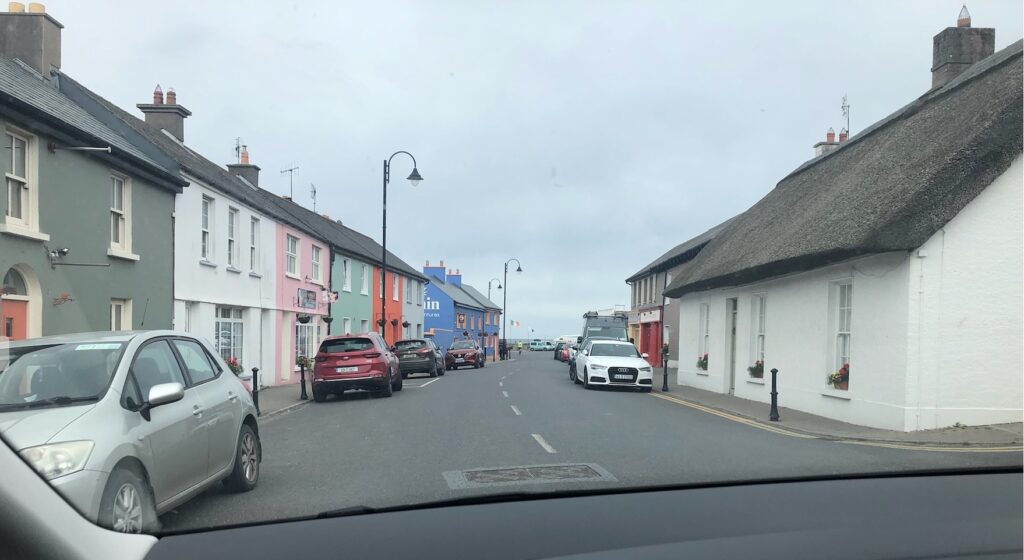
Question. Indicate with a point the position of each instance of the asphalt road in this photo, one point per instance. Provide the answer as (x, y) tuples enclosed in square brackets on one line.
[(415, 446)]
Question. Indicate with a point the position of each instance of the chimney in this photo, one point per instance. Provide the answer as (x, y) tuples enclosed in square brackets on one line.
[(954, 49), (434, 271), (33, 37), (829, 144), (455, 279), (169, 116), (243, 168)]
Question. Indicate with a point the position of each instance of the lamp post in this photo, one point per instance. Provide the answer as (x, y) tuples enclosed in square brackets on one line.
[(415, 179), (494, 357), (504, 300)]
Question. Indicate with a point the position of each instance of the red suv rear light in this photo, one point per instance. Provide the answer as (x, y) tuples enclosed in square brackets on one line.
[(372, 355), (320, 358)]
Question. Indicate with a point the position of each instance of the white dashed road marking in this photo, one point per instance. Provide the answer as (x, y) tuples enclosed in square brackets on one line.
[(505, 393), (547, 446), (516, 410), (501, 384), (429, 382)]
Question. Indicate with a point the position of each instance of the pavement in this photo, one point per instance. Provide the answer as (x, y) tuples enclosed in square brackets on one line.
[(443, 438), (994, 435)]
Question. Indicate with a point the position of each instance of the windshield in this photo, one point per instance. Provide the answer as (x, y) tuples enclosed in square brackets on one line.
[(789, 235), (618, 350), (341, 345), (56, 375)]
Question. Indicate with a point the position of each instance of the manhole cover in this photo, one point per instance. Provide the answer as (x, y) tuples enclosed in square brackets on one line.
[(529, 474)]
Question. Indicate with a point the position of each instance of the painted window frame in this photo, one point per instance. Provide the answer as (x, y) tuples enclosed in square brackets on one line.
[(346, 275), (122, 215), (394, 287), (308, 343), (365, 288), (206, 222), (291, 256), (364, 325), (233, 215), (254, 244), (704, 332), (758, 326), (316, 264), (120, 314), (840, 346), (229, 320), (346, 325)]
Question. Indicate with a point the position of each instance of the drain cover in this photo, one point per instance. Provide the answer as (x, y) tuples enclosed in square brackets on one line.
[(529, 474)]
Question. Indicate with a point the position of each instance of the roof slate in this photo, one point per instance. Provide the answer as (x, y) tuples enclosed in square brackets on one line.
[(480, 298), (889, 188)]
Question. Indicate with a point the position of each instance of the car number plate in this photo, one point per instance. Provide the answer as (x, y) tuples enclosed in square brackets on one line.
[(459, 360), (346, 369), (408, 355), (623, 376)]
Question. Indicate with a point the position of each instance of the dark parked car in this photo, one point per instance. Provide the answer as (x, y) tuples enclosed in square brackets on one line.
[(464, 353), (419, 355), (355, 361)]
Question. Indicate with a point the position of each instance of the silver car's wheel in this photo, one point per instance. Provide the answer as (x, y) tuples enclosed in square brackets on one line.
[(250, 458), (127, 513), (127, 503), (246, 472)]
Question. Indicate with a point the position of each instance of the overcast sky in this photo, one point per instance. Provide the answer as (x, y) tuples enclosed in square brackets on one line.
[(583, 138)]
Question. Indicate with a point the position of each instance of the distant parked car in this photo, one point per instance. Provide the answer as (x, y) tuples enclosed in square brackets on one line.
[(464, 353), (419, 355), (128, 425), (549, 345), (536, 344), (355, 361)]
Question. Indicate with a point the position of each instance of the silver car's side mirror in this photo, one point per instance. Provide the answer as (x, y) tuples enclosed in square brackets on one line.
[(159, 395)]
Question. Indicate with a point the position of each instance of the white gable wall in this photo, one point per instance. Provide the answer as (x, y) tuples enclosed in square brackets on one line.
[(965, 311)]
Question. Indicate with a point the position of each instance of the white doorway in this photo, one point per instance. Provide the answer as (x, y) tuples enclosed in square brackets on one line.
[(730, 319)]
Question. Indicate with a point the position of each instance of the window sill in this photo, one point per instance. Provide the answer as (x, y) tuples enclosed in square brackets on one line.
[(292, 276), (255, 275), (836, 394), (233, 269), (205, 262), (349, 290), (25, 232), (702, 372), (122, 254), (317, 282), (755, 381)]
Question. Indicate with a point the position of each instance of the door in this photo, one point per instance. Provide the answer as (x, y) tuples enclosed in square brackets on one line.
[(177, 433), (219, 397), (13, 319), (730, 314)]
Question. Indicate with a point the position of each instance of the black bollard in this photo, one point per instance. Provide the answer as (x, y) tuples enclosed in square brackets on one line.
[(774, 414), (664, 365), (302, 380), (256, 389)]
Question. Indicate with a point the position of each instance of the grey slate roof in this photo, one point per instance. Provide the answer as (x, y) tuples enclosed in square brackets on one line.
[(887, 189), (459, 296), (680, 253), (20, 84), (158, 144), (480, 298)]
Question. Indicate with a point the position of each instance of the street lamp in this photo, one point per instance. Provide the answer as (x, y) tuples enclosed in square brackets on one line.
[(504, 302), (494, 357), (415, 179)]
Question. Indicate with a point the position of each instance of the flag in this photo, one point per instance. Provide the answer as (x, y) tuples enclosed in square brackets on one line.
[(515, 323)]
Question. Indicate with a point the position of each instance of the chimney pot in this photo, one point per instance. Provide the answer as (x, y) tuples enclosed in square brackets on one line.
[(442, 264), (844, 135), (15, 7), (36, 8), (158, 95), (172, 97), (830, 136), (245, 156), (964, 19), (428, 263)]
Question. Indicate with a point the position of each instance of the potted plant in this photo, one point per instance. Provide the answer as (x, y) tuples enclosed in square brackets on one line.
[(702, 362), (235, 367), (303, 362), (840, 379), (757, 370)]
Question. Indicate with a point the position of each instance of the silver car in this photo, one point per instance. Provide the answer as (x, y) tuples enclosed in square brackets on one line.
[(128, 425)]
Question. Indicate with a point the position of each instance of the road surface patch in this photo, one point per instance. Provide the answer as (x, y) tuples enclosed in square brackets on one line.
[(527, 474)]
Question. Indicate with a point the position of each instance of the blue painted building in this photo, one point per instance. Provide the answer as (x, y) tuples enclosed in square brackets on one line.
[(453, 311)]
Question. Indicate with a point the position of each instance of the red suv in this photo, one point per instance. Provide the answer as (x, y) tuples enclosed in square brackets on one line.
[(464, 353), (355, 361)]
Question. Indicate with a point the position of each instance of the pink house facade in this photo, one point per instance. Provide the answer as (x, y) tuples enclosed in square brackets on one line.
[(303, 289)]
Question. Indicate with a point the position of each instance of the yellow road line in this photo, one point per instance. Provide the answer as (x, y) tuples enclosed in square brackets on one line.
[(784, 432)]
